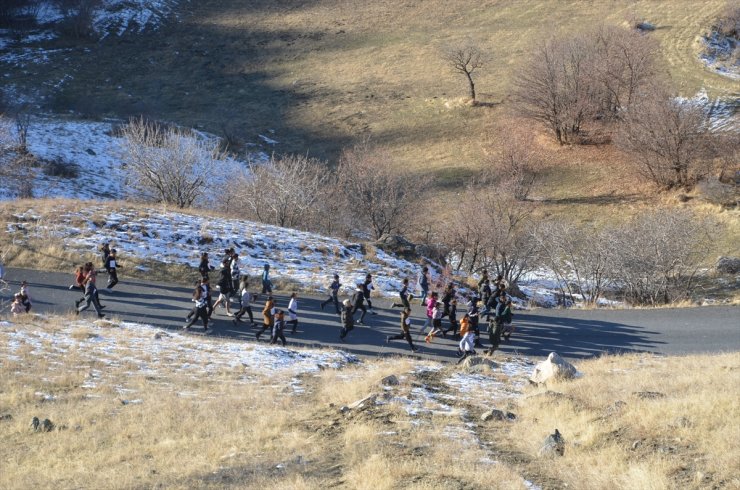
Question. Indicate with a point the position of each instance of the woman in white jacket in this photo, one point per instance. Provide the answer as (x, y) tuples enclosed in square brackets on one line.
[(293, 311)]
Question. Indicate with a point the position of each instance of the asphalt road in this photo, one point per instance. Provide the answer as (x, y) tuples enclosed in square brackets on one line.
[(572, 333)]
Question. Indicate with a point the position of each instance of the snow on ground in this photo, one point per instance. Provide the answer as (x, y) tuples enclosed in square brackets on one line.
[(718, 53), (723, 114), (172, 237), (102, 346)]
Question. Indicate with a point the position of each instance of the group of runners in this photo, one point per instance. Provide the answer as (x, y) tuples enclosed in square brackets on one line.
[(488, 300)]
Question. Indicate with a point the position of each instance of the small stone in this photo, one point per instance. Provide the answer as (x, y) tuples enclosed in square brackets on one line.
[(35, 424), (47, 425), (363, 403), (6, 416), (493, 414), (157, 336), (636, 445), (648, 395), (391, 380), (477, 364), (90, 151), (344, 409), (554, 445)]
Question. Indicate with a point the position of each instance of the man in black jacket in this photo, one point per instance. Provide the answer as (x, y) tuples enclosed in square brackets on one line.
[(358, 302)]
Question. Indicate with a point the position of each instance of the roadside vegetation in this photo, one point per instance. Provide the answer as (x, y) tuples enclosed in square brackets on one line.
[(130, 410)]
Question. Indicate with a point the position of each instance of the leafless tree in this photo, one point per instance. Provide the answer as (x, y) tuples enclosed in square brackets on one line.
[(373, 190), (514, 165), (168, 164), (285, 191), (555, 87), (580, 257), (669, 139), (657, 255), (465, 59)]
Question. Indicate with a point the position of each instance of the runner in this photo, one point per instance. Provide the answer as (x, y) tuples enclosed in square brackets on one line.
[(452, 316), (404, 295), (111, 266), (347, 319), (246, 298), (224, 287), (200, 297), (333, 294), (79, 279), (293, 311), (278, 327), (358, 303), (268, 314), (436, 322), (367, 287), (266, 283), (405, 330), (423, 283), (466, 348), (16, 307), (90, 297), (25, 297), (204, 267)]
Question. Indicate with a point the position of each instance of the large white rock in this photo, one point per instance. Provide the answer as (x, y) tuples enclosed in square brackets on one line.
[(555, 367)]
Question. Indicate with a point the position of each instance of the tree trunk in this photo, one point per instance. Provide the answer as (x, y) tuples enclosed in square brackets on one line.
[(472, 86)]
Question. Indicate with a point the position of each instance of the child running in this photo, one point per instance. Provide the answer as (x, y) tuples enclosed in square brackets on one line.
[(436, 322), (348, 322), (200, 297), (246, 298), (333, 294), (111, 266), (468, 338), (278, 328)]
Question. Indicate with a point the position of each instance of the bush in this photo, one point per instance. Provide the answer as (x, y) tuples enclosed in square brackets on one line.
[(61, 168), (78, 18), (722, 194)]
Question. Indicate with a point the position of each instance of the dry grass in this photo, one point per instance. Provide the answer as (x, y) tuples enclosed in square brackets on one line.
[(227, 427)]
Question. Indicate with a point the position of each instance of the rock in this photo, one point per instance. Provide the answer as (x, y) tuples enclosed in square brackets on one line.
[(495, 414), (555, 367), (90, 151), (343, 409), (364, 403), (477, 364), (648, 395), (391, 380), (554, 445), (35, 424), (728, 265), (157, 336), (6, 416), (423, 251)]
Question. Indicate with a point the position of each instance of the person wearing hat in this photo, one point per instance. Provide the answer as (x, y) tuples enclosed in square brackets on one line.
[(348, 322), (333, 294), (111, 266)]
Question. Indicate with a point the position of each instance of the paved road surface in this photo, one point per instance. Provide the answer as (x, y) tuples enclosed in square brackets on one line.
[(572, 333)]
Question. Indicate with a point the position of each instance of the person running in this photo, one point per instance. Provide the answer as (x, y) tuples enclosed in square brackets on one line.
[(79, 279), (507, 315), (496, 326), (90, 297), (246, 298), (452, 317), (204, 285), (278, 328), (466, 347), (224, 287), (485, 293), (204, 267), (235, 272), (473, 317), (347, 318), (16, 307), (266, 283), (431, 303), (105, 251), (200, 297), (492, 302), (436, 322), (447, 297), (293, 311), (111, 266), (367, 287), (268, 316), (404, 295), (90, 275), (25, 296), (358, 303), (423, 283), (333, 294), (405, 329), (482, 280)]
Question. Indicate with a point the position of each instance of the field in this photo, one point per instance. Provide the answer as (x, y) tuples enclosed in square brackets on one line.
[(137, 410), (316, 76)]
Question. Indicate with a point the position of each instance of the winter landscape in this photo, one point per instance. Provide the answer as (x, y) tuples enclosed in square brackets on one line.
[(550, 188)]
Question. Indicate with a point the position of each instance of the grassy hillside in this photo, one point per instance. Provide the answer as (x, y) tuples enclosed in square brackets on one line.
[(181, 411)]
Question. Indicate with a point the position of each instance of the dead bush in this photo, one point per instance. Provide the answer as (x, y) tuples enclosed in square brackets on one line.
[(61, 168), (78, 18)]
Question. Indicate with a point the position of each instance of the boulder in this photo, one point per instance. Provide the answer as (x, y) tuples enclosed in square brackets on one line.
[(728, 265), (477, 364), (363, 403), (555, 367), (554, 445), (495, 414), (391, 380)]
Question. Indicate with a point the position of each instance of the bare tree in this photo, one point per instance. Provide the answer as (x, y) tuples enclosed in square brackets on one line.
[(669, 139), (167, 164), (554, 88), (515, 164), (465, 59), (373, 190), (285, 191), (657, 255), (581, 258)]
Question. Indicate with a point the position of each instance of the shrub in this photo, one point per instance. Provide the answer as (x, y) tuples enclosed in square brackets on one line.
[(61, 168)]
